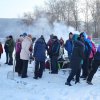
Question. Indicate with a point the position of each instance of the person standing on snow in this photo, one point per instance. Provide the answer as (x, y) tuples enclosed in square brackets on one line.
[(95, 65), (1, 49), (88, 48), (69, 45), (40, 56), (75, 63), (93, 51), (11, 46), (49, 45), (18, 66), (61, 52), (25, 54), (6, 49), (54, 55)]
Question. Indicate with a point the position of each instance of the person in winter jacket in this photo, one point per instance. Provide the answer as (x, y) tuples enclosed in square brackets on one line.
[(25, 54), (95, 65), (88, 48), (11, 46), (18, 66), (49, 45), (1, 49), (54, 55), (69, 45), (93, 51), (6, 49), (75, 63), (40, 56), (31, 49), (61, 53), (61, 41)]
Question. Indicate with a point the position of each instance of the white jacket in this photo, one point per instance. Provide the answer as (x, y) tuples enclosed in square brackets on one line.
[(25, 53)]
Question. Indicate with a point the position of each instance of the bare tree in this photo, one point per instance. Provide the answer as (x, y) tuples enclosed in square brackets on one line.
[(75, 13), (27, 20), (95, 13)]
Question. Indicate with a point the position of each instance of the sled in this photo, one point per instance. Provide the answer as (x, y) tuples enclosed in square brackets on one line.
[(65, 66), (10, 74)]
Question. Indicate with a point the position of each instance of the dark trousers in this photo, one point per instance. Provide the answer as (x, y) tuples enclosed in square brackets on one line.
[(75, 66), (74, 71), (7, 56), (0, 55), (10, 58), (85, 67), (39, 67), (24, 68), (19, 64), (90, 64), (54, 64), (95, 65)]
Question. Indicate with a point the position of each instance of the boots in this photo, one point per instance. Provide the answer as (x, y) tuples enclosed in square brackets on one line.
[(68, 83), (90, 83)]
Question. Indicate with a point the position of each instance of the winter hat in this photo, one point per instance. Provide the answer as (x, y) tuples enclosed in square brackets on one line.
[(51, 36), (30, 36), (54, 37), (24, 34), (89, 37), (83, 34), (42, 36), (75, 37), (10, 36)]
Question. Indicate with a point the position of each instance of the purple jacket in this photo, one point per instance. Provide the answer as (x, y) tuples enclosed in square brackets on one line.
[(98, 49), (18, 47)]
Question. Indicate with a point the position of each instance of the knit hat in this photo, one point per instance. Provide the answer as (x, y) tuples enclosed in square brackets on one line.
[(83, 34), (30, 36), (75, 37), (89, 37), (54, 37), (10, 36), (24, 34), (42, 36)]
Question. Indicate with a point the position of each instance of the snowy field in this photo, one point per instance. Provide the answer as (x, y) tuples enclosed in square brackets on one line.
[(50, 87)]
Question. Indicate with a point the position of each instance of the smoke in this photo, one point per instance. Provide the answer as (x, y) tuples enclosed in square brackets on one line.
[(39, 27), (43, 27)]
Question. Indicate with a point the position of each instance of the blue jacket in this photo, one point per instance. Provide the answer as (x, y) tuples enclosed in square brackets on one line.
[(97, 55), (39, 50), (88, 45), (69, 46)]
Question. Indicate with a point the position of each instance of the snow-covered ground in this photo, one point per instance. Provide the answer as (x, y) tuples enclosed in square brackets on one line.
[(50, 87)]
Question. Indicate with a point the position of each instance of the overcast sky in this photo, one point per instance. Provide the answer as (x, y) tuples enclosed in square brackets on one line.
[(15, 8)]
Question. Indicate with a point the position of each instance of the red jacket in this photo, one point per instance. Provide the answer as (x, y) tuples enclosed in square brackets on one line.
[(93, 51), (1, 49)]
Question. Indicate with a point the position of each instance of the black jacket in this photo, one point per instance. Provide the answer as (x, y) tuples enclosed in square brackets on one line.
[(78, 50), (97, 56)]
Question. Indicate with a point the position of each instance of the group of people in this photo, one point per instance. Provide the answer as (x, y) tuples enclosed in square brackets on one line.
[(25, 50), (82, 54)]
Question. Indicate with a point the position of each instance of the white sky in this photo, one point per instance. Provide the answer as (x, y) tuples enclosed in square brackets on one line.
[(15, 8)]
